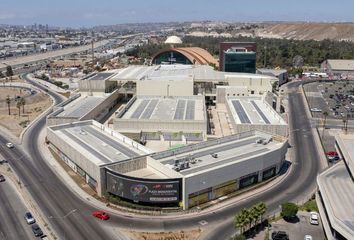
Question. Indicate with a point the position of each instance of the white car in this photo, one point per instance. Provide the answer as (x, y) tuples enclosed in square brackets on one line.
[(308, 237), (316, 110), (314, 218), (10, 145), (29, 218)]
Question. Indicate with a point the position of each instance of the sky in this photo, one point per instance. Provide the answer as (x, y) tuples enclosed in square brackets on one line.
[(86, 13)]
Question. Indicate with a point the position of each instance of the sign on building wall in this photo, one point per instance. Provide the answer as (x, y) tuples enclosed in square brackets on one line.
[(144, 190)]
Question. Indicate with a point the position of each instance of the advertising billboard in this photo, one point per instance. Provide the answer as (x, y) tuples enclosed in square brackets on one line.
[(144, 190)]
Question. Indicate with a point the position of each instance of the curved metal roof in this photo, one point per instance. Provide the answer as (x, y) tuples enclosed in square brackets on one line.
[(196, 55)]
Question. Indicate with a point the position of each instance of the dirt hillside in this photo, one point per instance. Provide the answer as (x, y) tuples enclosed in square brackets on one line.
[(306, 31)]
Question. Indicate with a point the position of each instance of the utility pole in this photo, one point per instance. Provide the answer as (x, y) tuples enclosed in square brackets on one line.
[(265, 56), (92, 52)]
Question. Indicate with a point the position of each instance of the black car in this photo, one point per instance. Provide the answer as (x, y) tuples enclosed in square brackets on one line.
[(2, 178), (280, 235), (37, 230)]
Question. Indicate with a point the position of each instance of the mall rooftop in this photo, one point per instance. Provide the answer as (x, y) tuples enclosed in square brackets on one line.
[(198, 72), (219, 153), (95, 140)]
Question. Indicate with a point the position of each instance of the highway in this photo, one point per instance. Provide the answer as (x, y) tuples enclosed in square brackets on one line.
[(55, 199), (47, 55), (13, 209)]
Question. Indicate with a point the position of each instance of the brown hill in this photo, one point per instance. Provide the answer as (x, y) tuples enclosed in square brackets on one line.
[(306, 31)]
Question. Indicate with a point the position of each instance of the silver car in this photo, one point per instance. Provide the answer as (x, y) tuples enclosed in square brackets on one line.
[(29, 218)]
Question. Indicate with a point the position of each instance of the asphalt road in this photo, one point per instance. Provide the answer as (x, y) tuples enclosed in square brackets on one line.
[(302, 179), (51, 195), (13, 208), (55, 199), (51, 54)]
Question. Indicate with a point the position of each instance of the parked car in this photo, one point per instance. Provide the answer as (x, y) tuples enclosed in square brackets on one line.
[(308, 237), (37, 230), (316, 110), (101, 215), (332, 156), (10, 145), (2, 178), (314, 218), (280, 235), (29, 218)]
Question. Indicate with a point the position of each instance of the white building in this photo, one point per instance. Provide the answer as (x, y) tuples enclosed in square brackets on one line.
[(253, 113), (183, 177), (167, 115)]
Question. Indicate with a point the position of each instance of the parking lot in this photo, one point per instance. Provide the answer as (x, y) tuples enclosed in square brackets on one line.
[(298, 230), (335, 98)]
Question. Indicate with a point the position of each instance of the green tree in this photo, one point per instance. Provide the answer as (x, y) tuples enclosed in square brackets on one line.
[(9, 72), (1, 75), (241, 220), (238, 237), (261, 209), (8, 101), (288, 210)]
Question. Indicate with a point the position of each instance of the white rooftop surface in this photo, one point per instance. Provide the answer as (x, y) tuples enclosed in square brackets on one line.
[(341, 64), (198, 72), (172, 108), (97, 145), (337, 191), (253, 110), (145, 173), (81, 106), (346, 143), (228, 152)]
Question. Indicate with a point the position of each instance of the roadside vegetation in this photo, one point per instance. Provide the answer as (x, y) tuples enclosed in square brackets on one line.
[(249, 220)]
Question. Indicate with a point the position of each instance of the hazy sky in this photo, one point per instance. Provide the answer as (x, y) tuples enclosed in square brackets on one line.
[(77, 13)]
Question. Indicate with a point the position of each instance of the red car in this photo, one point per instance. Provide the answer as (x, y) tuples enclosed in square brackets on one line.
[(332, 155), (101, 215)]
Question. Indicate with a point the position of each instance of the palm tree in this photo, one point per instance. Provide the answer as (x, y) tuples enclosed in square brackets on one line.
[(238, 221), (255, 213), (253, 216), (18, 105), (23, 103), (261, 209), (8, 101)]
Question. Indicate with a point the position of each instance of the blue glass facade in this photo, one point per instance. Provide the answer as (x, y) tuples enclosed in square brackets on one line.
[(240, 62)]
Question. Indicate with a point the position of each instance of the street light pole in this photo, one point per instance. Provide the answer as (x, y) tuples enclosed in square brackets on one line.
[(63, 217)]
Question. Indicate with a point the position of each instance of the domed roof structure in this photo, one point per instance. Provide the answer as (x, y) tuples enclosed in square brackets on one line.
[(173, 40)]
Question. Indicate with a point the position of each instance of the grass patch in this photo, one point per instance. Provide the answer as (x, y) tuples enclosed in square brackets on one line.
[(309, 206)]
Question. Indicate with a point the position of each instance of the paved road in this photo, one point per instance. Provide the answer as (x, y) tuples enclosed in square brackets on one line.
[(302, 179), (51, 54), (13, 225), (52, 196)]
